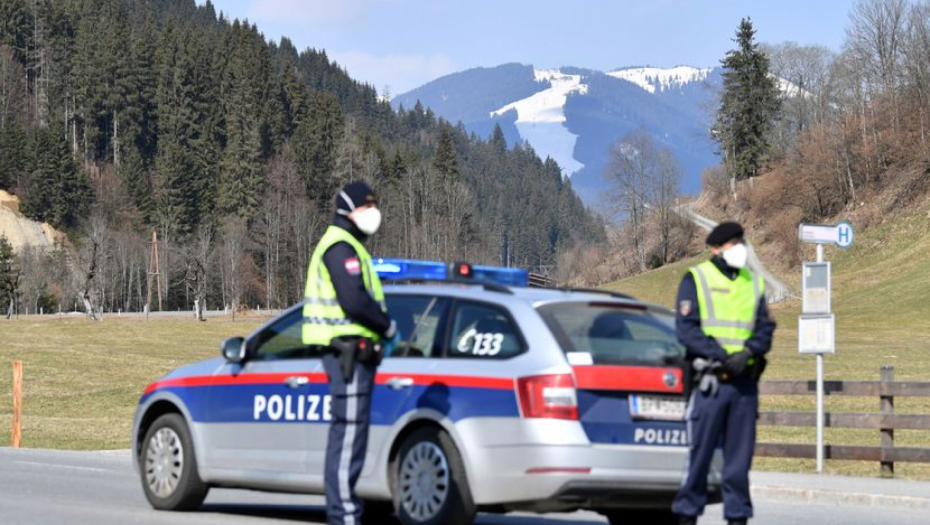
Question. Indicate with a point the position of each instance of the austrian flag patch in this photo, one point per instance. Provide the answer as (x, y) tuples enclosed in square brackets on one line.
[(353, 266)]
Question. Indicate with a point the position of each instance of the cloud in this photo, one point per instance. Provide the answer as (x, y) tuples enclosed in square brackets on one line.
[(400, 73), (306, 12)]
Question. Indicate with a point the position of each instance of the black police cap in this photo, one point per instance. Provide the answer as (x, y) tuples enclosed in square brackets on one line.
[(353, 195), (724, 232)]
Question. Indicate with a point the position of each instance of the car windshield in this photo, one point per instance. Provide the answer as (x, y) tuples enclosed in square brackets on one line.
[(613, 334)]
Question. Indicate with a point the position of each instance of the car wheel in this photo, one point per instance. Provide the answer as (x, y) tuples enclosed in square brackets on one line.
[(428, 481), (168, 466), (642, 516)]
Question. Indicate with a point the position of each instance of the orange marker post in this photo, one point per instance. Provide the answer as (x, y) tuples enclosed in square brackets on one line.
[(17, 403)]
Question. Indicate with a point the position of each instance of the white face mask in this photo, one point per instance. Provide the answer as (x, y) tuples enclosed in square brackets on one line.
[(367, 220), (736, 256)]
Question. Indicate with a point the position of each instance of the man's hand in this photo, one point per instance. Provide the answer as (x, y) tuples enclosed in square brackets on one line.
[(735, 364), (388, 346)]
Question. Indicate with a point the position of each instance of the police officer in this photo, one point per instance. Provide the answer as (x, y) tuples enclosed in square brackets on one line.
[(723, 321), (344, 311)]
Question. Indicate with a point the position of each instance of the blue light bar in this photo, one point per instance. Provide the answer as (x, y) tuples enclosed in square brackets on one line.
[(400, 269), (500, 275)]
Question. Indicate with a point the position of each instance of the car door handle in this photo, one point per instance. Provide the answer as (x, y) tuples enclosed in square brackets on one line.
[(397, 383), (296, 381)]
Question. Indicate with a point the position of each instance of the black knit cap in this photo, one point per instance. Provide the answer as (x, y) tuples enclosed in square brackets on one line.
[(353, 195), (724, 232)]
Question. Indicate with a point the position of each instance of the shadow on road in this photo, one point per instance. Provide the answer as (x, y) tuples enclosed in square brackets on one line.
[(317, 514)]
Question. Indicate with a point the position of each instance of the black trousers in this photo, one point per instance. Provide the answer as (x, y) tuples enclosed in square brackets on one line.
[(347, 440), (729, 415)]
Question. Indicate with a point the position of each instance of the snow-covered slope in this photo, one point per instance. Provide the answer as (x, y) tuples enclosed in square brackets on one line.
[(654, 79), (541, 118)]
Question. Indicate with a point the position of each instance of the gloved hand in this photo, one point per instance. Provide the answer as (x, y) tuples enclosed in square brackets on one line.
[(389, 345), (735, 365)]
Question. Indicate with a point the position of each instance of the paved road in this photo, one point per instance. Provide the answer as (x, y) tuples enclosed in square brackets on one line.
[(40, 487)]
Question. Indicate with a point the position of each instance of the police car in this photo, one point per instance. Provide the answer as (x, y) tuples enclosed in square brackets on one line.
[(501, 398)]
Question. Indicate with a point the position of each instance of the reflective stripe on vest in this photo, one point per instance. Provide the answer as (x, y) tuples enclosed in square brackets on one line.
[(728, 307), (324, 319)]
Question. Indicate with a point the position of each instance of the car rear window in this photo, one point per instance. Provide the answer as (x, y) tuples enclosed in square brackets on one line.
[(613, 334)]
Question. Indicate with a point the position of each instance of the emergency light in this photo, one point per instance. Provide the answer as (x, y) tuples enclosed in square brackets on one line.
[(400, 269), (404, 269)]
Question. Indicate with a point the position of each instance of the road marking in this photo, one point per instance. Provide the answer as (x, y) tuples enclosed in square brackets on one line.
[(52, 465)]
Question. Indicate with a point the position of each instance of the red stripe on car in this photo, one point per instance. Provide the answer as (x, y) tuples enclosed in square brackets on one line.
[(500, 383), (627, 378)]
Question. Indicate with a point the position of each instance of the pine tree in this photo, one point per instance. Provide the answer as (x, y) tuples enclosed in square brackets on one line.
[(9, 275), (749, 106), (445, 161)]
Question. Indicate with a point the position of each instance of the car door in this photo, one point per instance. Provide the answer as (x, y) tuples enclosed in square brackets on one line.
[(404, 377), (482, 337), (264, 410)]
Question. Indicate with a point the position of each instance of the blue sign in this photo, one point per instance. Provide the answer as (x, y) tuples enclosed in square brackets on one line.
[(844, 235)]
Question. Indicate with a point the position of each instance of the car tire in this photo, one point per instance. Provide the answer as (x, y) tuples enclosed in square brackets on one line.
[(168, 466), (428, 481), (641, 516)]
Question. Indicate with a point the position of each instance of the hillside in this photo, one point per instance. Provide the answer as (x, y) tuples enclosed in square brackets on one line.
[(21, 231), (232, 147)]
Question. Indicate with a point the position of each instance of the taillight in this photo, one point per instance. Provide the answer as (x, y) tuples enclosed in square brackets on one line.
[(549, 396)]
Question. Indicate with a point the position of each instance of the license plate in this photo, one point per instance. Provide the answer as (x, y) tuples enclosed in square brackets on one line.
[(657, 407)]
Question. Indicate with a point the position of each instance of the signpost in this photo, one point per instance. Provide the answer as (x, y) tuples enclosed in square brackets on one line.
[(817, 324)]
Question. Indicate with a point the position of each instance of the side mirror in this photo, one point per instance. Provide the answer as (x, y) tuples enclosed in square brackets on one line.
[(233, 349)]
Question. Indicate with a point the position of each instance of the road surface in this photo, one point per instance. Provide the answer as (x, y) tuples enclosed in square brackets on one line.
[(41, 487)]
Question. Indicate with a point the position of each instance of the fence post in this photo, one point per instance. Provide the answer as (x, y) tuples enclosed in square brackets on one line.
[(887, 410), (17, 436)]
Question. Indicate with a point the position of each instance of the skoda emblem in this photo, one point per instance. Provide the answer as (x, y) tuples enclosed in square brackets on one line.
[(670, 380)]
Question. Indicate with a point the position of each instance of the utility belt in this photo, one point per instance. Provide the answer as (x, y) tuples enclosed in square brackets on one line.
[(351, 349)]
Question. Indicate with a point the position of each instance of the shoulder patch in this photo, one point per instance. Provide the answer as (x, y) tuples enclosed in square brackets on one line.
[(353, 266), (684, 308)]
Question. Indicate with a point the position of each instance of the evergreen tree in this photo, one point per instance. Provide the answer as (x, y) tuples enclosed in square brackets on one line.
[(749, 106), (55, 189), (445, 160), (9, 275)]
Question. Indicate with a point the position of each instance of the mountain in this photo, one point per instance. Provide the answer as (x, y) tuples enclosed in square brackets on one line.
[(574, 115)]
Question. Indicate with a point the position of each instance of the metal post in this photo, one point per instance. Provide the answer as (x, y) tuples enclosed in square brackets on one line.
[(820, 408), (887, 411)]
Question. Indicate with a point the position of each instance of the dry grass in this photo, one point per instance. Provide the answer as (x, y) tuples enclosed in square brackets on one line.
[(82, 378)]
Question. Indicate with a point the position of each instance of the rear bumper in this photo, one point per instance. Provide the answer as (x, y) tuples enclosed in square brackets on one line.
[(550, 465)]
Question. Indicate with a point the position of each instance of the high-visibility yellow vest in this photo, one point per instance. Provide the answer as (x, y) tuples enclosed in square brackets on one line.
[(324, 319), (728, 307)]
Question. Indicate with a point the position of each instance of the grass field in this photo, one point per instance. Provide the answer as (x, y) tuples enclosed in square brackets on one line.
[(881, 297), (82, 378)]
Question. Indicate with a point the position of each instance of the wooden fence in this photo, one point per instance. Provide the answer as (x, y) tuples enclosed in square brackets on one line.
[(885, 421)]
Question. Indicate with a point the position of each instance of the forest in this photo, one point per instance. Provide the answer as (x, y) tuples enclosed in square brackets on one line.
[(120, 118)]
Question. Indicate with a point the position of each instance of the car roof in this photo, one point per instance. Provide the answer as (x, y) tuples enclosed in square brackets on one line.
[(534, 297)]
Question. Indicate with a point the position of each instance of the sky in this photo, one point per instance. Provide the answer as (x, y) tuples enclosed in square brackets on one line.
[(398, 45)]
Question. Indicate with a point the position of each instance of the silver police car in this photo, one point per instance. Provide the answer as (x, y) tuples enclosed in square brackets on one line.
[(501, 398)]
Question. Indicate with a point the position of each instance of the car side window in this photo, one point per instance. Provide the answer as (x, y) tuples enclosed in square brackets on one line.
[(282, 340), (421, 321), (484, 331)]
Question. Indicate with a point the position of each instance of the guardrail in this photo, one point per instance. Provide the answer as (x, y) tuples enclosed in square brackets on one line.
[(885, 421)]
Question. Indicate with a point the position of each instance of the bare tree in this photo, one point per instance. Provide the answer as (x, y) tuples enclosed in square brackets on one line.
[(92, 257)]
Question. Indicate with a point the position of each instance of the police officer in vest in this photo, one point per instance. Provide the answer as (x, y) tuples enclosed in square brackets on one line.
[(723, 322), (344, 311)]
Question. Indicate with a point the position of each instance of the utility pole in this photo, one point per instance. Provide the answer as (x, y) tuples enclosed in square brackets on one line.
[(154, 271)]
